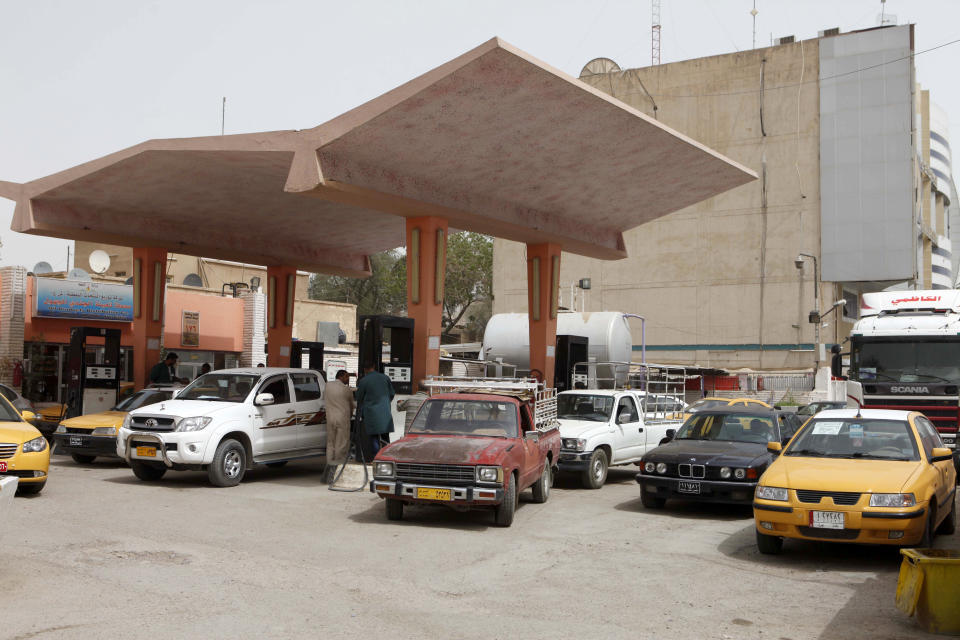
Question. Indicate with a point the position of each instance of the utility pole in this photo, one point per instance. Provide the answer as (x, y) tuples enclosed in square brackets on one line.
[(655, 32), (223, 115), (754, 12)]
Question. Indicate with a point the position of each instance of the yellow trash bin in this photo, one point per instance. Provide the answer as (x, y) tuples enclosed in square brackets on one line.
[(929, 588)]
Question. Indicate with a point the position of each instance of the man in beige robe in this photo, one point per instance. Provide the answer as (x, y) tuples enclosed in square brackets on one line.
[(340, 406)]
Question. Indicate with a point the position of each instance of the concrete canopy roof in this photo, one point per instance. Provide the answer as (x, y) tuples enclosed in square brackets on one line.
[(494, 140)]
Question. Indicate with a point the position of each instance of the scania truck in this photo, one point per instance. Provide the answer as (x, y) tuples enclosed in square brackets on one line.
[(905, 351)]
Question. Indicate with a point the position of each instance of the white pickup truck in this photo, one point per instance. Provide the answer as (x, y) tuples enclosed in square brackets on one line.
[(600, 428), (226, 421)]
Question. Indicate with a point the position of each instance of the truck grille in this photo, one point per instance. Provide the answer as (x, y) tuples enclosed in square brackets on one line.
[(163, 423), (839, 497), (692, 471), (7, 450), (435, 472), (943, 413)]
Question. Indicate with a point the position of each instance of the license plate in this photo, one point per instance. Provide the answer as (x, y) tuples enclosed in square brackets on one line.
[(826, 519), (147, 452), (3, 466), (76, 441), (433, 494), (689, 487)]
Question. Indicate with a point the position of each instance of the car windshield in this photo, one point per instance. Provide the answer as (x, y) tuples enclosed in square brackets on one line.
[(729, 427), (219, 387), (8, 413), (922, 361), (143, 398), (703, 405), (582, 406), (466, 418), (856, 438)]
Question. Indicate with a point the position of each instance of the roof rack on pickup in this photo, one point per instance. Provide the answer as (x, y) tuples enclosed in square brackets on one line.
[(544, 400)]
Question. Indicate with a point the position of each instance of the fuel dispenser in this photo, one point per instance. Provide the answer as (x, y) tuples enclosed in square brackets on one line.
[(570, 351), (387, 341), (92, 387), (313, 352)]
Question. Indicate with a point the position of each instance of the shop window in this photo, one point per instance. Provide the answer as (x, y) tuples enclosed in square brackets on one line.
[(306, 387)]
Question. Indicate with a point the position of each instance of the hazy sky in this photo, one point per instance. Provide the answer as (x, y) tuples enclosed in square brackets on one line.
[(83, 79)]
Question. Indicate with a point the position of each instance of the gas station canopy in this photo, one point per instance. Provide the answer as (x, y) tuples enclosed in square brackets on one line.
[(494, 141)]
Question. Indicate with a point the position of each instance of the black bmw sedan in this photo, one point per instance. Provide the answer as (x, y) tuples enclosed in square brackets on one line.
[(716, 456)]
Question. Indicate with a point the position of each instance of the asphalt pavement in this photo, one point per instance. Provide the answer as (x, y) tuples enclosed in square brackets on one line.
[(100, 554)]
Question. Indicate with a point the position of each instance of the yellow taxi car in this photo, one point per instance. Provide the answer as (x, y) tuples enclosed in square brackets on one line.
[(94, 435), (23, 450), (872, 476), (703, 404)]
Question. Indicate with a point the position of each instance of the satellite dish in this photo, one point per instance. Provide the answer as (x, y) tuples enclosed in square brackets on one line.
[(42, 267), (79, 274), (99, 261), (598, 66), (193, 280)]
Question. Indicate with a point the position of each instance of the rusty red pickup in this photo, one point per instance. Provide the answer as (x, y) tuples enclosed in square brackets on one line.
[(469, 449)]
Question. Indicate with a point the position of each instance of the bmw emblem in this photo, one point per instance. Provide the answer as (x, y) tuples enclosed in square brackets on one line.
[(150, 422)]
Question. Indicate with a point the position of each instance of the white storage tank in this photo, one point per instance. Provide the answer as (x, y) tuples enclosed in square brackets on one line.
[(507, 337)]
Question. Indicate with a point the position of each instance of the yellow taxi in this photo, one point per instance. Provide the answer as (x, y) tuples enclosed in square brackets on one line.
[(94, 435), (23, 450), (704, 404), (871, 476)]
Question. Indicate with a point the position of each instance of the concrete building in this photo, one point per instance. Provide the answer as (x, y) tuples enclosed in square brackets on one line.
[(837, 130)]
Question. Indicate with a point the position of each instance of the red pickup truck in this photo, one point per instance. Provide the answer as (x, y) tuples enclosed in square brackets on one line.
[(473, 444)]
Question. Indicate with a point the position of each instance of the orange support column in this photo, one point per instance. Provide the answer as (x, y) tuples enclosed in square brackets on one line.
[(543, 280), (281, 293), (149, 284), (426, 270)]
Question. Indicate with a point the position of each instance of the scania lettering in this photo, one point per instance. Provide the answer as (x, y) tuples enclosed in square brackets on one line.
[(905, 352)]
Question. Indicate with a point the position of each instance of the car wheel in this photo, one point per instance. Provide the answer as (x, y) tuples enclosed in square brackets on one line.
[(596, 472), (949, 524), (651, 502), (929, 531), (394, 509), (770, 545), (229, 464), (147, 471), (503, 514), (82, 459), (541, 489), (277, 465), (31, 489)]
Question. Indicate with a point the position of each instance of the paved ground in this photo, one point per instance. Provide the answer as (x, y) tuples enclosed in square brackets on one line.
[(100, 554)]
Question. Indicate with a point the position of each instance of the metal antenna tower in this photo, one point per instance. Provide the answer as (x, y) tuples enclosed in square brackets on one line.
[(655, 32), (754, 12)]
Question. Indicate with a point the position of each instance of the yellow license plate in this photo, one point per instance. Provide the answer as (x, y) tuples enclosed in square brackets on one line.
[(433, 494), (147, 452)]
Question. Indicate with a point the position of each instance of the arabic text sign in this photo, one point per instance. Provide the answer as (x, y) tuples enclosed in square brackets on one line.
[(190, 329), (54, 298)]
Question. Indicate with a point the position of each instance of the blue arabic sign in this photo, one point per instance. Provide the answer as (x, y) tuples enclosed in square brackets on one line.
[(54, 298)]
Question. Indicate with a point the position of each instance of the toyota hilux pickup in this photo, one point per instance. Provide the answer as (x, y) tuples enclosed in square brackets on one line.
[(473, 444), (225, 422)]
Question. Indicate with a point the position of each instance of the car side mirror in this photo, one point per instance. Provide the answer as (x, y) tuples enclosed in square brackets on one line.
[(28, 415), (263, 399), (774, 447), (533, 435), (941, 454), (671, 434)]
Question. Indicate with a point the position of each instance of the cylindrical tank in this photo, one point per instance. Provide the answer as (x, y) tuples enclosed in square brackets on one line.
[(507, 336)]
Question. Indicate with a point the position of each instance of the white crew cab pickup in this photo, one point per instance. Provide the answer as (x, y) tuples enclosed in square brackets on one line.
[(226, 421), (604, 427)]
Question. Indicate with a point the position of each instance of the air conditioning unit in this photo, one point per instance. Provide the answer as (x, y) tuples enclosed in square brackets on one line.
[(784, 40), (826, 33)]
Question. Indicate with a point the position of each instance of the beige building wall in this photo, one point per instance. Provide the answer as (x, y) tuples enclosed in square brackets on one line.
[(717, 280)]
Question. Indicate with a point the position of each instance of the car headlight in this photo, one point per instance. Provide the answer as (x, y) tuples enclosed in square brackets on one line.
[(661, 467), (104, 431), (127, 421), (574, 444), (649, 467), (772, 493), (740, 474), (892, 500), (490, 474), (383, 470), (61, 429), (725, 472), (194, 424), (37, 444)]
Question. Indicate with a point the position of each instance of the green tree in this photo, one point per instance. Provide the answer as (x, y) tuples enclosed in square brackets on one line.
[(469, 278), (384, 292)]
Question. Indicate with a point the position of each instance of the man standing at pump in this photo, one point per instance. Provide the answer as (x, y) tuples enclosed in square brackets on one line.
[(166, 371), (374, 396), (339, 402)]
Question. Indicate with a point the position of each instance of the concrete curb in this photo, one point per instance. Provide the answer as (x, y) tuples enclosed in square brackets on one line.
[(8, 488)]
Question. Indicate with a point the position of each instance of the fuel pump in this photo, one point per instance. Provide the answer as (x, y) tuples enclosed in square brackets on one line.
[(313, 352), (380, 333), (95, 387)]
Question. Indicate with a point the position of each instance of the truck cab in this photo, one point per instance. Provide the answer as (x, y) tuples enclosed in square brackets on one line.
[(475, 443)]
